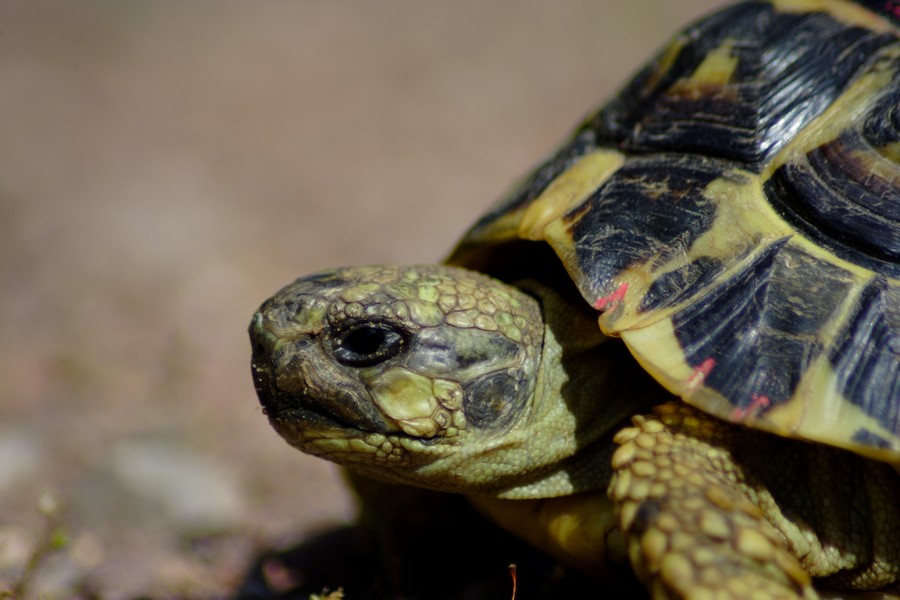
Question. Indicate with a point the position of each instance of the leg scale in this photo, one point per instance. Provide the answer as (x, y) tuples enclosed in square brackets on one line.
[(691, 529)]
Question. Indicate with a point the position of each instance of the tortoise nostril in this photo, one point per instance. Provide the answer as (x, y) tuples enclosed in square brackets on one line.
[(259, 349)]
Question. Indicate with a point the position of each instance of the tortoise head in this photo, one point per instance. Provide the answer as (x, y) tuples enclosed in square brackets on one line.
[(424, 375), (395, 369)]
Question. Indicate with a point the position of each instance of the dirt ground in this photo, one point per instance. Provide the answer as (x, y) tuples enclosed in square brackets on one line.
[(163, 168)]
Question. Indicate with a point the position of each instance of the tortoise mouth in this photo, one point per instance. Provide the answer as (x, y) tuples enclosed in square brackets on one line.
[(304, 413), (298, 411), (296, 396), (366, 445)]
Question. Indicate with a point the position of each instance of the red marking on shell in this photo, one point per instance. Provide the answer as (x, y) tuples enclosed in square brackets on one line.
[(700, 373), (613, 299), (759, 402)]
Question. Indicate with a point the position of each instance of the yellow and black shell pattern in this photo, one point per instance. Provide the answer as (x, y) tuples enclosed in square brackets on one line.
[(734, 215)]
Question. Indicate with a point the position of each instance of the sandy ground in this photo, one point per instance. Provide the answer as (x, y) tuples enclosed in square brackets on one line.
[(163, 168)]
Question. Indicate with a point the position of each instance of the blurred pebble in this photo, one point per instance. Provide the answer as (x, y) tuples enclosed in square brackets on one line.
[(87, 551), (20, 456), (16, 545), (192, 489)]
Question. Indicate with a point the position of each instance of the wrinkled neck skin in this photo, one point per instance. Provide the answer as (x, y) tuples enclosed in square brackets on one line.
[(587, 384), (546, 450)]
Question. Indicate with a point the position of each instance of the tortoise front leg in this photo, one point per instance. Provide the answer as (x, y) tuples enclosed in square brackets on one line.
[(691, 525)]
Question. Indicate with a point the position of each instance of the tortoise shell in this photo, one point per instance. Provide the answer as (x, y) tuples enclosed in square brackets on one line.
[(733, 214)]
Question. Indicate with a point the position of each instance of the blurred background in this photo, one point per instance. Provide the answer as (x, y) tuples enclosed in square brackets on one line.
[(164, 167)]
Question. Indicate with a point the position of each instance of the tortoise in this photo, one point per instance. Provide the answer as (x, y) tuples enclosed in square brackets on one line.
[(731, 429)]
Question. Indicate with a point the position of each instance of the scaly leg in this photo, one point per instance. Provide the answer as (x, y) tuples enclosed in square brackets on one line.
[(692, 529)]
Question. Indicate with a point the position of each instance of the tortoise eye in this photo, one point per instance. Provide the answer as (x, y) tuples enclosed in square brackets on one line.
[(368, 344)]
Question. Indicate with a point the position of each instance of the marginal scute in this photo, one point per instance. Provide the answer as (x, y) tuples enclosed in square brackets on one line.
[(672, 287), (637, 213), (503, 221), (568, 190), (769, 319), (866, 356)]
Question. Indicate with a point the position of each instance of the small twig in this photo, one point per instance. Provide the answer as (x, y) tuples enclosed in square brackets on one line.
[(512, 573), (52, 539)]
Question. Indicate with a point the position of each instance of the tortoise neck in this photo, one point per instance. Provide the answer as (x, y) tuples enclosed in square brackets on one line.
[(587, 385)]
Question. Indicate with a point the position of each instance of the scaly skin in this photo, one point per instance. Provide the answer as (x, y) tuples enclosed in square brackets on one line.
[(706, 504), (690, 526), (446, 379)]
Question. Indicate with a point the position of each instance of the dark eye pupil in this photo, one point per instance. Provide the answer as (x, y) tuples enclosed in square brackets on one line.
[(367, 344), (365, 340)]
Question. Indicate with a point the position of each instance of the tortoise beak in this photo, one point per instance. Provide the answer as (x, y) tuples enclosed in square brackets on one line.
[(302, 390)]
